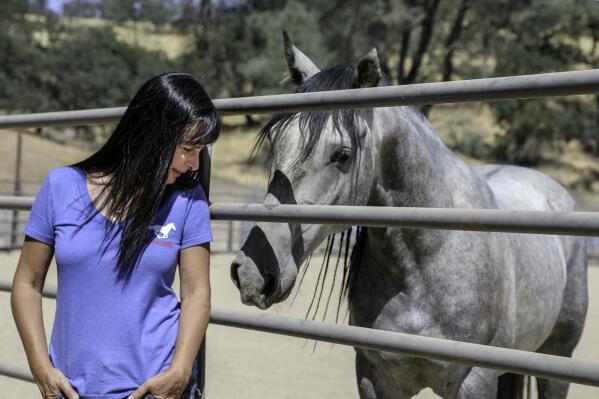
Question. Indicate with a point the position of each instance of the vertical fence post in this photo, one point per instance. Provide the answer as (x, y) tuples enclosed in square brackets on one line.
[(205, 163), (230, 236), (17, 190)]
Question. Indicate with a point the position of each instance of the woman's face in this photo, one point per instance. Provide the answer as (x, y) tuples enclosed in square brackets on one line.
[(187, 157)]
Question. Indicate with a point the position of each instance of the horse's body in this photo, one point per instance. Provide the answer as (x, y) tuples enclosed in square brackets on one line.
[(520, 291), (512, 290)]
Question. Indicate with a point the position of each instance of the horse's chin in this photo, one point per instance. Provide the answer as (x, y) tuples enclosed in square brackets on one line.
[(259, 301), (263, 303)]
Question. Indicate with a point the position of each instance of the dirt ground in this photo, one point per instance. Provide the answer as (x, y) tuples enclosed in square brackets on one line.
[(246, 364)]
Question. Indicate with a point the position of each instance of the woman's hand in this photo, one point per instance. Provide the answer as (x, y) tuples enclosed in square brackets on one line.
[(53, 383), (169, 384)]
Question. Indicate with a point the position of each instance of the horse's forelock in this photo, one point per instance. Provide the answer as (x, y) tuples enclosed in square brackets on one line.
[(312, 124)]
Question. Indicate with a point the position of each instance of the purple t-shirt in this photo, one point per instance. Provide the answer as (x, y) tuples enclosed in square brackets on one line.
[(109, 338)]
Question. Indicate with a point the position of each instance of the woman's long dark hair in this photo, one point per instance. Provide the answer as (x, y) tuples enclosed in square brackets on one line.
[(169, 109)]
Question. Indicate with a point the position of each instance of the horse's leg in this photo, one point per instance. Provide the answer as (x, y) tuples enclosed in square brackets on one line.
[(370, 384), (568, 328), (365, 377), (479, 384), (510, 386)]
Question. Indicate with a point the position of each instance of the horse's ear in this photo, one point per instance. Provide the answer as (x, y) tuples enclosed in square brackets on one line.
[(368, 70), (300, 66)]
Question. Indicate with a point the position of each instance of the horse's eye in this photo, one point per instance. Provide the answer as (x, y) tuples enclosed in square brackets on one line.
[(341, 155)]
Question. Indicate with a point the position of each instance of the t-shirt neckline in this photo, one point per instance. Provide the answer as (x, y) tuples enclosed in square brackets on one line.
[(89, 200)]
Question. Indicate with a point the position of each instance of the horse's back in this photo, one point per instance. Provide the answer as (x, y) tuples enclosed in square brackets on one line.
[(522, 188)]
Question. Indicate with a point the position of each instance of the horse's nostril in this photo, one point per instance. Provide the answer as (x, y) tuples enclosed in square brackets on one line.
[(235, 275), (269, 286)]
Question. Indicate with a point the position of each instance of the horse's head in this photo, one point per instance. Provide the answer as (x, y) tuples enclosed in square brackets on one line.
[(320, 157)]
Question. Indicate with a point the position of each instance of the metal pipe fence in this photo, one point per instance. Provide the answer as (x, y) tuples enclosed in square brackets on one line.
[(538, 222), (509, 360), (226, 233), (16, 372), (502, 88)]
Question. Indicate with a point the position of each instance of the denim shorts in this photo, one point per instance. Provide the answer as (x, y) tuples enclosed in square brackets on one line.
[(191, 391)]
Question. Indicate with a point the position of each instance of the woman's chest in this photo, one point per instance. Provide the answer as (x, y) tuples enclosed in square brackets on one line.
[(88, 245)]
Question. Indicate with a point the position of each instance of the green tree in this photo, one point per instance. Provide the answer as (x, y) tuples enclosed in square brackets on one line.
[(265, 65), (533, 37), (68, 68), (238, 47), (90, 68), (81, 8), (220, 48), (118, 10), (21, 58), (159, 12), (101, 71)]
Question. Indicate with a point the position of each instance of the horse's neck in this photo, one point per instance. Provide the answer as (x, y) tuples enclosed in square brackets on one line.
[(415, 168)]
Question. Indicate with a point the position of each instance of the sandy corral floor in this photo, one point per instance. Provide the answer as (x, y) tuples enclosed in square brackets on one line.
[(246, 364)]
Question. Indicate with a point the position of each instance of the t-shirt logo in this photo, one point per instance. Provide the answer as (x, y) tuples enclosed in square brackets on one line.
[(162, 231)]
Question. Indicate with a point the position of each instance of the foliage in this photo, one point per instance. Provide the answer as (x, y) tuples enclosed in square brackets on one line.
[(236, 50), (543, 36), (48, 66), (219, 49), (20, 58), (265, 66), (88, 68), (81, 8)]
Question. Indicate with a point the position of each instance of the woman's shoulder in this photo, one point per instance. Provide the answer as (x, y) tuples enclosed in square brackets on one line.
[(64, 175), (193, 194), (62, 179)]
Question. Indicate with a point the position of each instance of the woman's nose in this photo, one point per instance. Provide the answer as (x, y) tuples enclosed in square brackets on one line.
[(193, 163)]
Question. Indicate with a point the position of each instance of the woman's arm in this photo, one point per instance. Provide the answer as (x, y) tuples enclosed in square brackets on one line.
[(26, 304), (194, 275), (26, 301)]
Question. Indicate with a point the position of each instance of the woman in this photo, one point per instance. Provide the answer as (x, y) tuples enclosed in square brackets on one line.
[(119, 222)]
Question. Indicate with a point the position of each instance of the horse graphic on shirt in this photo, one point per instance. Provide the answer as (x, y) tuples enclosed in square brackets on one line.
[(162, 231)]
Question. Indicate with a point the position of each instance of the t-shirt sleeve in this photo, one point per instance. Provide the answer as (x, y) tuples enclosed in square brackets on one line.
[(40, 224), (197, 229)]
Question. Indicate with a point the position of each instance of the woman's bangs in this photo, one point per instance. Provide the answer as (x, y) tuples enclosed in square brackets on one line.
[(204, 131)]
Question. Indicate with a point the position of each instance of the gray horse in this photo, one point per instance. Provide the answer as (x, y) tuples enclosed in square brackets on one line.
[(519, 291)]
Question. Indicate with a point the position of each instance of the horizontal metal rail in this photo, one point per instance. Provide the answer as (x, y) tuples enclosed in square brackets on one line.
[(498, 220), (15, 372), (502, 88), (49, 290), (509, 360)]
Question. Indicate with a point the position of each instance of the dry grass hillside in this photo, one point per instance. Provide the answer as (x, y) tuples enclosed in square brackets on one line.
[(141, 33)]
